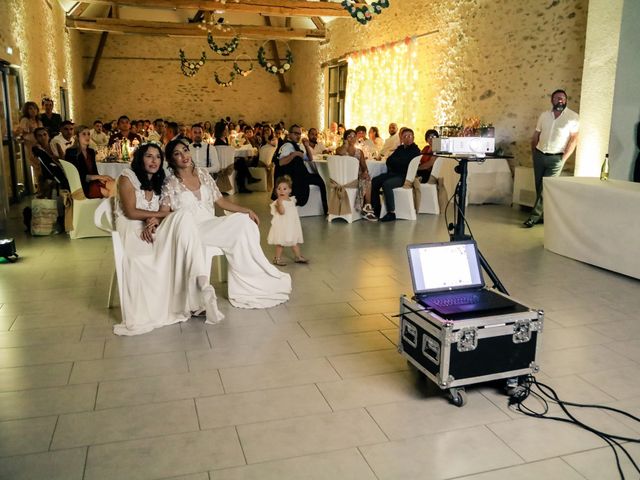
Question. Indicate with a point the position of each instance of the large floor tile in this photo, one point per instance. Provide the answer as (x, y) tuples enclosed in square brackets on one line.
[(57, 353), (441, 455), (195, 476), (557, 363), (400, 420), (61, 465), (228, 334), (339, 344), (281, 374), (561, 338), (140, 345), (124, 423), (342, 464), (291, 438), (367, 307), (6, 321), (619, 382), (23, 338), (310, 312), (368, 363), (21, 378), (338, 326), (47, 401), (166, 456), (259, 406), (554, 469), (240, 355), (629, 349), (600, 464), (162, 388), (126, 367), (18, 437)]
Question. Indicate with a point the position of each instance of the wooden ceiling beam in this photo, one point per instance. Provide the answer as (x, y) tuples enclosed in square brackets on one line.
[(78, 9), (284, 88), (280, 8), (143, 27), (317, 21)]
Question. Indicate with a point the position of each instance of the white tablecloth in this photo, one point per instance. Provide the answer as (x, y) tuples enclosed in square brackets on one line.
[(246, 151), (376, 168), (487, 182), (112, 169), (594, 222)]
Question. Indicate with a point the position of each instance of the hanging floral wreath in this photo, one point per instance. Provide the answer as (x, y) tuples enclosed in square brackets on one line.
[(364, 13), (228, 83), (226, 49), (190, 67), (239, 70), (270, 67)]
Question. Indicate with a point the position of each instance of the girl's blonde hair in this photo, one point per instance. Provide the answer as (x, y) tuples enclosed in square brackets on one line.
[(284, 179)]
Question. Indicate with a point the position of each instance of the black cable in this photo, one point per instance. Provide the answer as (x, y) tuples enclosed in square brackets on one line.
[(525, 391)]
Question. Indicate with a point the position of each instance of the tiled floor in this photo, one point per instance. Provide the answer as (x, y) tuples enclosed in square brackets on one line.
[(313, 389)]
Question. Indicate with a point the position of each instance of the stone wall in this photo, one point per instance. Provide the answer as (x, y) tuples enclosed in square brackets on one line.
[(495, 59), (140, 76), (46, 51)]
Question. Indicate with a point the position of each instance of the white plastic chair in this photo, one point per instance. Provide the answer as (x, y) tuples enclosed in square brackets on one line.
[(226, 156), (405, 207), (265, 157), (84, 208), (344, 170)]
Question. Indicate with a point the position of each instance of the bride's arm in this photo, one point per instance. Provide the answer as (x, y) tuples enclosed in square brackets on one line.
[(127, 195), (232, 207)]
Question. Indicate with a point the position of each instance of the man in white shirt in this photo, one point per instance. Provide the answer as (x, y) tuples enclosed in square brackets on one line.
[(203, 154), (98, 137), (317, 147), (64, 140), (554, 140), (391, 143)]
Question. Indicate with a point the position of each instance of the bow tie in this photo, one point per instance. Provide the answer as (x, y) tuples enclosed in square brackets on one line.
[(197, 145)]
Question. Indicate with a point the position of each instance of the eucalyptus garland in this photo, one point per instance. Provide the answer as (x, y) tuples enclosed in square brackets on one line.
[(364, 13), (228, 83), (226, 49), (270, 67), (190, 67), (240, 71)]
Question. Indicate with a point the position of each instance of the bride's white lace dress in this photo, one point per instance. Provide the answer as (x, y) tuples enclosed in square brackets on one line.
[(253, 281), (159, 278)]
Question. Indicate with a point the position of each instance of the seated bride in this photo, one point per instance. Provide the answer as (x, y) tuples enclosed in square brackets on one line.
[(164, 272), (253, 281)]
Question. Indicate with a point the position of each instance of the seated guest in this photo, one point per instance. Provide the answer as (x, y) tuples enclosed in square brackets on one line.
[(269, 136), (391, 143), (428, 159), (64, 140), (204, 154), (363, 143), (397, 166), (317, 147), (83, 158), (183, 132), (157, 132), (140, 130), (52, 176), (98, 137), (374, 136), (239, 165), (220, 133), (25, 132), (124, 131), (50, 120), (363, 197), (291, 161), (208, 130), (171, 132), (331, 135), (341, 130), (250, 137)]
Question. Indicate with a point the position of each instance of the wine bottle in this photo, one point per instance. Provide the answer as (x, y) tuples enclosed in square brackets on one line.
[(604, 171)]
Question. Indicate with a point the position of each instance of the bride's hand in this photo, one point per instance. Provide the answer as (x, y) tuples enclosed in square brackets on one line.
[(254, 217), (147, 233)]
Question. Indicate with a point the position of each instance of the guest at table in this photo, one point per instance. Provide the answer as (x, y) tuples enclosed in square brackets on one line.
[(243, 176), (204, 154), (554, 140), (29, 121), (221, 132), (165, 276), (291, 161), (124, 131), (64, 140), (397, 166), (317, 147), (376, 139), (341, 130), (269, 136), (83, 157), (208, 131), (52, 176), (98, 137), (428, 158), (157, 132), (50, 120), (250, 137), (391, 143), (363, 143), (363, 197), (171, 132), (252, 281)]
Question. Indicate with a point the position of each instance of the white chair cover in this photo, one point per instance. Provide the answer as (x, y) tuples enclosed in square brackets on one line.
[(313, 207), (226, 157), (429, 199), (344, 170), (405, 206)]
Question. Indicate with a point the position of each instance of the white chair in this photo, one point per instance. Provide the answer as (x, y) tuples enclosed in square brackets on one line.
[(429, 199), (344, 170), (104, 220), (265, 158), (313, 207), (403, 196), (83, 208), (226, 157)]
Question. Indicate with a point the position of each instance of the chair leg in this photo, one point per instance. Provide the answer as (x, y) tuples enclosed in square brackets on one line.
[(220, 269), (112, 289)]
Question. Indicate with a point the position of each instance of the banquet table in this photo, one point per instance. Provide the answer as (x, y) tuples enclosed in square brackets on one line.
[(376, 167), (113, 169), (593, 221), (245, 151), (489, 181)]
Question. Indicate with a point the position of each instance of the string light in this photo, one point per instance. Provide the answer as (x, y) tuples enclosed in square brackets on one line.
[(383, 85)]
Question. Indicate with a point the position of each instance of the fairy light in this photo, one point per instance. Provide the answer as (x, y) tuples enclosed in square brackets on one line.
[(383, 85)]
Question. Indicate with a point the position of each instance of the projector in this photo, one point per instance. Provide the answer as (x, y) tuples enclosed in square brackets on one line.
[(468, 145)]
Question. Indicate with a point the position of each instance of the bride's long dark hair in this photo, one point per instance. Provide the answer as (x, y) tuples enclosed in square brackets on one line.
[(137, 165)]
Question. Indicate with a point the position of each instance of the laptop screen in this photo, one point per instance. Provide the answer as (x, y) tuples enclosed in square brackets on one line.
[(440, 267)]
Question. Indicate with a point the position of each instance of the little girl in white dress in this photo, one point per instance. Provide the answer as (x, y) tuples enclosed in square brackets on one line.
[(286, 230)]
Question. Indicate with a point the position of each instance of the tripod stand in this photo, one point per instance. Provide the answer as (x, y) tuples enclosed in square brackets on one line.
[(457, 229)]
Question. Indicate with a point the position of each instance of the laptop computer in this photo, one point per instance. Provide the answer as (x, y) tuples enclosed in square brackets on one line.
[(447, 278)]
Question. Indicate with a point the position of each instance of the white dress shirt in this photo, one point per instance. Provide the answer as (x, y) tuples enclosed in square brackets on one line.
[(60, 140), (318, 149), (367, 147), (555, 132), (199, 156), (98, 139), (390, 145)]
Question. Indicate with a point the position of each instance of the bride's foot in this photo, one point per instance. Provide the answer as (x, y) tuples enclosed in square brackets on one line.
[(210, 303)]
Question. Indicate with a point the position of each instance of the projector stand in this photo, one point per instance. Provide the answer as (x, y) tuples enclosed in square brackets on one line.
[(457, 229)]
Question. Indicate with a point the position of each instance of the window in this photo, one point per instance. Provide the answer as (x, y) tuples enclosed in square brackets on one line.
[(337, 87)]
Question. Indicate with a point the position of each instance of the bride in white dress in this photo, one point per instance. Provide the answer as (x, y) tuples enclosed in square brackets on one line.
[(164, 272), (253, 281)]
